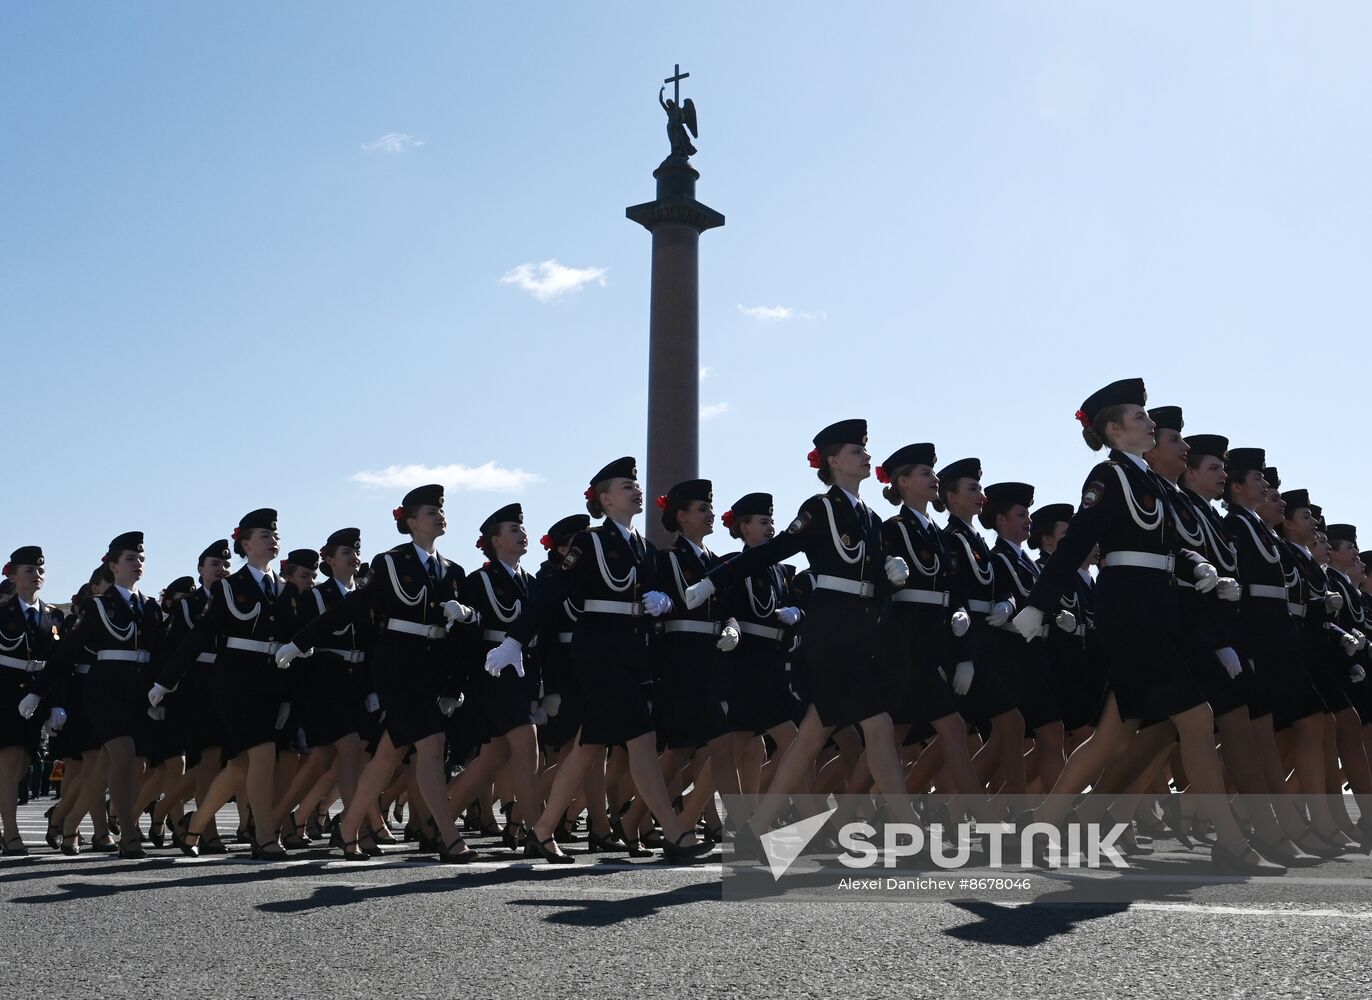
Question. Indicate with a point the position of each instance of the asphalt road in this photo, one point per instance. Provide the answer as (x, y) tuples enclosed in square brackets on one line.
[(93, 926)]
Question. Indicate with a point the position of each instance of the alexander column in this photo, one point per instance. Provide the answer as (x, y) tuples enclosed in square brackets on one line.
[(676, 221)]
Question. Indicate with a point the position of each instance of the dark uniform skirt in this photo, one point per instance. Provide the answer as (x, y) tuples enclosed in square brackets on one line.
[(615, 673), (842, 648), (207, 730), (1224, 694), (78, 735), (503, 702), (990, 694), (1077, 674), (1149, 675), (247, 690), (335, 698), (1324, 671), (117, 703), (571, 710), (755, 686), (691, 694), (15, 730), (912, 650), (1024, 667), (1282, 686)]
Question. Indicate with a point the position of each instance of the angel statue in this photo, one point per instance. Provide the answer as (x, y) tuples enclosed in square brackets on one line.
[(679, 118)]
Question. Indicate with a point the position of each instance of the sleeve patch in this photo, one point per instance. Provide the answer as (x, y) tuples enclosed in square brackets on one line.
[(801, 522), (1093, 494), (570, 559)]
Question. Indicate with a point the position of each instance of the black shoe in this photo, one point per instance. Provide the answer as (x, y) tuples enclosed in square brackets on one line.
[(563, 834), (596, 844), (336, 833), (1274, 852), (448, 856), (54, 834), (357, 855), (1250, 863), (102, 848), (157, 835), (635, 850), (131, 850), (673, 852), (214, 846), (1312, 843), (535, 848), (654, 839), (190, 843), (1171, 814), (263, 852), (14, 848), (69, 847)]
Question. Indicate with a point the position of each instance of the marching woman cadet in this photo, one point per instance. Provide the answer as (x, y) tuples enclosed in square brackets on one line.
[(924, 637), (692, 696), (333, 686), (242, 626), (1075, 668), (1283, 693), (1345, 577), (498, 592), (988, 702), (759, 702), (611, 573), (1138, 615), (563, 699), (126, 633), (28, 627), (412, 598), (854, 572), (192, 700), (1007, 514)]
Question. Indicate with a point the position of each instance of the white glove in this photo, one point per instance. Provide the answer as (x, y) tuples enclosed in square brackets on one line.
[(552, 703), (788, 616), (1207, 578), (1001, 612), (697, 593), (657, 603), (1362, 639), (1230, 661), (1333, 602), (1357, 674), (283, 712), (960, 623), (286, 654), (29, 705), (962, 677), (455, 611), (1228, 589), (449, 705), (372, 703), (1066, 621), (897, 570), (1028, 622), (728, 637), (157, 714), (1349, 642), (57, 718), (156, 693), (508, 654)]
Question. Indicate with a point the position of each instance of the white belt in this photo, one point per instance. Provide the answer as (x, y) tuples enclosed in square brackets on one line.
[(82, 668), (704, 628), (1080, 631), (206, 658), (761, 631), (981, 607), (1298, 610), (28, 666), (415, 628), (1041, 633), (126, 655), (632, 608), (346, 655), (493, 635), (1183, 583), (252, 645), (935, 597), (1140, 560), (564, 637), (858, 588), (1267, 590)]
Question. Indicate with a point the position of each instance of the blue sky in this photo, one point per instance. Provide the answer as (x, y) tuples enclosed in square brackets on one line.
[(252, 255)]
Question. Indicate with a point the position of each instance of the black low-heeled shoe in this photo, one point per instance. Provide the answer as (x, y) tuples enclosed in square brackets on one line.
[(69, 846), (535, 848), (296, 839), (54, 835), (635, 850), (510, 837), (448, 856), (563, 834), (491, 829), (674, 852), (357, 855), (99, 847), (131, 850), (190, 844), (1278, 854), (260, 852), (654, 839), (1172, 816), (596, 844), (13, 851), (1249, 863), (157, 835)]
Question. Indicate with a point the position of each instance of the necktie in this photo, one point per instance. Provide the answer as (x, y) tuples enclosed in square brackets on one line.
[(269, 586), (636, 544), (31, 615), (432, 567), (135, 606)]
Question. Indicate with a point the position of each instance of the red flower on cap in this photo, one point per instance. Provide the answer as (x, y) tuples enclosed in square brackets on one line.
[(283, 565), (9, 568), (813, 458), (547, 542), (662, 502), (398, 513), (236, 532), (882, 477), (479, 540), (590, 492), (1083, 419), (728, 519)]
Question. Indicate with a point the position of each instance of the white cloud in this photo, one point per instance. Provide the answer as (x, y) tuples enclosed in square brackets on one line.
[(711, 410), (548, 280), (480, 478), (393, 142), (705, 373), (775, 314)]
